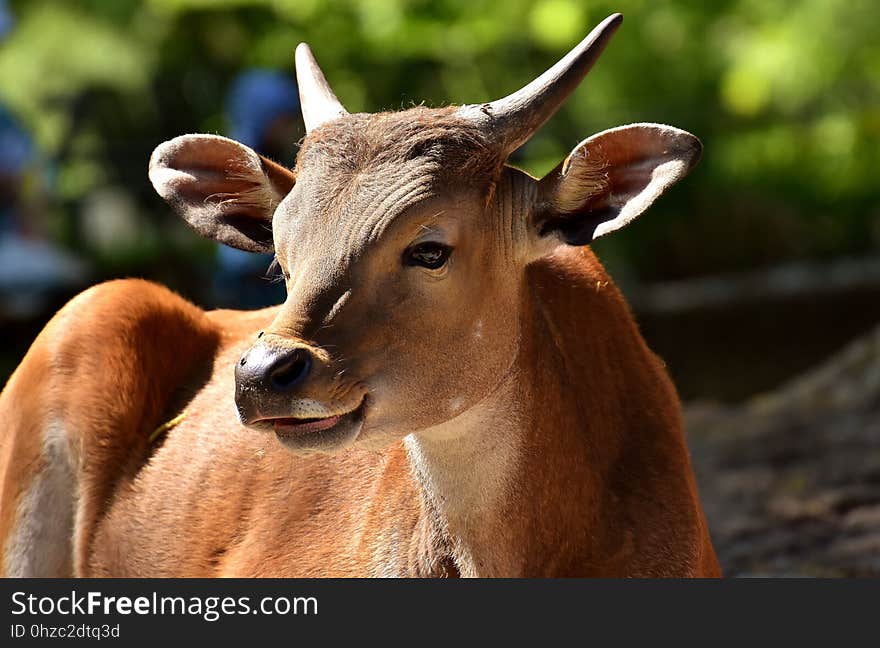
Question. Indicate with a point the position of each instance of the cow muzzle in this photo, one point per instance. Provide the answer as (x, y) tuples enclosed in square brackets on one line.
[(292, 389)]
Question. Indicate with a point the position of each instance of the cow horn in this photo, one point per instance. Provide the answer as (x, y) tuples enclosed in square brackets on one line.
[(317, 101), (511, 121)]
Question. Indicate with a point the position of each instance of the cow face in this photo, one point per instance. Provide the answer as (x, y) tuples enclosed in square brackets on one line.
[(403, 239)]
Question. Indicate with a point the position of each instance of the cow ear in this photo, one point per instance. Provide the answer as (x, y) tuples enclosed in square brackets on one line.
[(224, 190), (611, 178)]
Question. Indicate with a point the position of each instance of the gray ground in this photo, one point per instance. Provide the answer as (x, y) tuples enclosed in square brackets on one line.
[(791, 479)]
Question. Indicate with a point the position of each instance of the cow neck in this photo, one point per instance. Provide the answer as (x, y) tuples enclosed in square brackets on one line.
[(506, 476)]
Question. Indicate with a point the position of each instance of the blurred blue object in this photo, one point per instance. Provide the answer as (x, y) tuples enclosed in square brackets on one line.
[(31, 272), (256, 99), (16, 146)]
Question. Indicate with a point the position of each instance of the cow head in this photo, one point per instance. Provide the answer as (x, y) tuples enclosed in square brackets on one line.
[(403, 239)]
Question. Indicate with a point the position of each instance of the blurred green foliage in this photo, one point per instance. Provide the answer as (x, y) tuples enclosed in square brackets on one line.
[(784, 94)]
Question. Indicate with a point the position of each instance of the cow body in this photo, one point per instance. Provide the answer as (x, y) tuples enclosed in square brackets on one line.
[(589, 484), (453, 385)]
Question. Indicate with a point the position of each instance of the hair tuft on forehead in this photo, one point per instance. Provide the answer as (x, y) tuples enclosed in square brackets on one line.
[(364, 141)]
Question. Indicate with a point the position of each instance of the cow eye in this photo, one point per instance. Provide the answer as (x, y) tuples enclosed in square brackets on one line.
[(428, 255)]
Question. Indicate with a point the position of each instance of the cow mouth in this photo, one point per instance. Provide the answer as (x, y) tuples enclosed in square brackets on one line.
[(294, 426), (317, 431)]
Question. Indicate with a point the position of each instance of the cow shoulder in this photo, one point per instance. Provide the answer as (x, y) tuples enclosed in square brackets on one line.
[(121, 354), (103, 373)]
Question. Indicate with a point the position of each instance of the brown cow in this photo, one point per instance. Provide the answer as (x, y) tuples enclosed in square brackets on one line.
[(454, 386)]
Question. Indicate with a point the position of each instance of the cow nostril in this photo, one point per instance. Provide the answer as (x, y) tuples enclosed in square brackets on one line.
[(291, 370)]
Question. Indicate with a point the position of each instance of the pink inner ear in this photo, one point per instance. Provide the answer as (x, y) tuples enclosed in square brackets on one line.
[(207, 186), (204, 170), (612, 177), (223, 189), (624, 183)]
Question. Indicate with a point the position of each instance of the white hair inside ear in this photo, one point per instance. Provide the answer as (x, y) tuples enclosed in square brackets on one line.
[(611, 178)]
